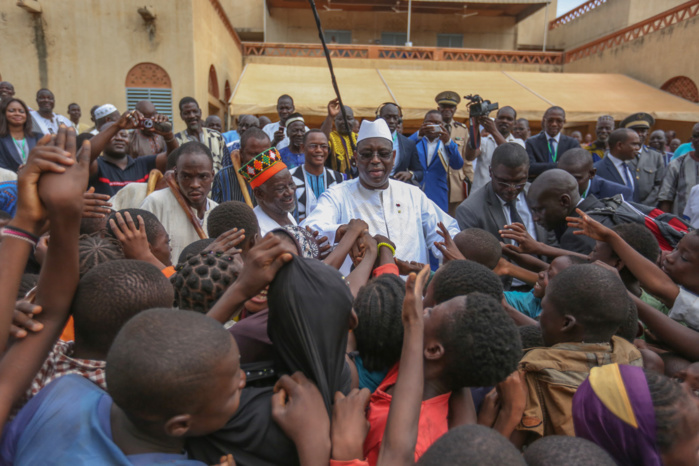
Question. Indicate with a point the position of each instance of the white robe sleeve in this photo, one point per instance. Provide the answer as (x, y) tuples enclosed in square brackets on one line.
[(326, 217), (431, 216)]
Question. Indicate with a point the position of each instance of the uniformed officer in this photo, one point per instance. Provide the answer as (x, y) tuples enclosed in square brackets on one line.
[(648, 167), (459, 180)]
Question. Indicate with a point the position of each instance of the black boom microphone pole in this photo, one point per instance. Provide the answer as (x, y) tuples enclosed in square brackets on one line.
[(332, 73)]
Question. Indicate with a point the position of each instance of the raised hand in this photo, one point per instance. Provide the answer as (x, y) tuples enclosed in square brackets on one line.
[(130, 120), (96, 205), (324, 246), (525, 243), (299, 409), (133, 240), (447, 247), (412, 303), (227, 242), (334, 108), (23, 319), (262, 263), (45, 157), (588, 226), (405, 267), (350, 426)]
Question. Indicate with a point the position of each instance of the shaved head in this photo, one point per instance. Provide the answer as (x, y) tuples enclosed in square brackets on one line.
[(575, 158), (554, 183), (147, 108)]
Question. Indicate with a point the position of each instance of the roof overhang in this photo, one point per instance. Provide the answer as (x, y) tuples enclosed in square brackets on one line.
[(518, 9)]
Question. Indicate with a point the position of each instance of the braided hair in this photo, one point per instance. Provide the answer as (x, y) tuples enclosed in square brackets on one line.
[(379, 331), (94, 250), (671, 405), (202, 279)]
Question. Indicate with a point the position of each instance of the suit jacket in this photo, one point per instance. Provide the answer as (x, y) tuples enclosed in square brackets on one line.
[(435, 182), (538, 150), (601, 188), (482, 209), (580, 243), (647, 168), (409, 160), (10, 158)]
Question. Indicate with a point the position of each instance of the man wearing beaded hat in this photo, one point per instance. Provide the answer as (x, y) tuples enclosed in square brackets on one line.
[(399, 211), (599, 148), (447, 102), (274, 190), (648, 167)]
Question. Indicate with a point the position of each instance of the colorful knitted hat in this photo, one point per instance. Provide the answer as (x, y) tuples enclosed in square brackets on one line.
[(263, 167)]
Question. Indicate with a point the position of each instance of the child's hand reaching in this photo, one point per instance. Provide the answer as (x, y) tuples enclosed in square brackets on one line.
[(412, 304), (447, 246), (349, 426), (589, 227), (226, 460)]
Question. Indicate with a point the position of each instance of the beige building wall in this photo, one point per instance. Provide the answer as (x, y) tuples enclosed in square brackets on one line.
[(298, 26), (530, 31), (607, 18), (653, 59), (214, 46), (86, 61), (247, 17)]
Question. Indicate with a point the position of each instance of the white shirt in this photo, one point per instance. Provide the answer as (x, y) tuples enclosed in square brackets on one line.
[(481, 165), (432, 148), (691, 210), (182, 233), (272, 128), (623, 170), (266, 222), (401, 212), (50, 126), (527, 220)]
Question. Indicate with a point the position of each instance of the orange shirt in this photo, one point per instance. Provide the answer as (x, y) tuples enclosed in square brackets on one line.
[(432, 425)]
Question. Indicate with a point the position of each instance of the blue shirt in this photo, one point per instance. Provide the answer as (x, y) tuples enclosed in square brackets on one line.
[(290, 159), (69, 422), (317, 183), (683, 149), (226, 187), (232, 139), (8, 197), (524, 302)]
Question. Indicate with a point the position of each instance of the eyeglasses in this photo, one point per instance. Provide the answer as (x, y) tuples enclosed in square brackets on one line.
[(318, 146), (517, 187), (369, 155)]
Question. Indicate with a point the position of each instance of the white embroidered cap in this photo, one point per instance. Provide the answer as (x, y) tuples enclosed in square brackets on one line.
[(374, 129), (104, 110)]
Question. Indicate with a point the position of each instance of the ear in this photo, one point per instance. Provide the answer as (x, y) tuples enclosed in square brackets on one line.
[(619, 264), (569, 323), (259, 194), (593, 172), (252, 241), (303, 147), (178, 426), (565, 200), (682, 375), (433, 351)]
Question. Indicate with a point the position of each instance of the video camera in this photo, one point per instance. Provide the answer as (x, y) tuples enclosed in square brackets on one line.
[(479, 107)]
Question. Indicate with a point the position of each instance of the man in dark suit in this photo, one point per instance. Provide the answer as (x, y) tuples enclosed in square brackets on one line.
[(617, 166), (545, 147), (648, 165), (407, 166), (552, 197), (578, 162)]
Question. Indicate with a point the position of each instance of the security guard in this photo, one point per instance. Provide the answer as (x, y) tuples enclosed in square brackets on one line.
[(459, 180), (648, 166)]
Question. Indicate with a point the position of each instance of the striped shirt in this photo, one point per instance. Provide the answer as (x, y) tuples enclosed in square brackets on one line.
[(227, 188), (214, 141)]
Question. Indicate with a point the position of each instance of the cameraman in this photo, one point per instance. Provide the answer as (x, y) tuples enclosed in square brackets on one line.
[(144, 141), (499, 132)]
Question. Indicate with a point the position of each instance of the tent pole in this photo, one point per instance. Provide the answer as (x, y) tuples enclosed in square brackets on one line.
[(410, 8), (546, 24)]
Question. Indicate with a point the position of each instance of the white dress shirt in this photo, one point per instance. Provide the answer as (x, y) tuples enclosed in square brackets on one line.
[(623, 170), (481, 165)]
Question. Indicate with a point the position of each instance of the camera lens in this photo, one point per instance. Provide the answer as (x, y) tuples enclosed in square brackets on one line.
[(148, 124)]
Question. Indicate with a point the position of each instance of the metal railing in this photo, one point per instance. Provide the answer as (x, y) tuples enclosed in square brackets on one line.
[(575, 13)]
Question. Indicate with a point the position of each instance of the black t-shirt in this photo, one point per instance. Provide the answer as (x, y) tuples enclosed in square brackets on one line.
[(109, 178)]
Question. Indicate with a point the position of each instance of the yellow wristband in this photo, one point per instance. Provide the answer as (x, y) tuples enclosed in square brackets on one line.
[(393, 250)]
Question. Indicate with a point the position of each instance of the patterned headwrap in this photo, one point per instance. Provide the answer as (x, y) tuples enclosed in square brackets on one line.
[(263, 167), (613, 408), (305, 242)]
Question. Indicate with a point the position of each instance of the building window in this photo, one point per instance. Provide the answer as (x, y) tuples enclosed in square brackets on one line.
[(213, 82), (148, 81), (339, 36), (394, 38), (682, 86), (161, 99), (450, 40)]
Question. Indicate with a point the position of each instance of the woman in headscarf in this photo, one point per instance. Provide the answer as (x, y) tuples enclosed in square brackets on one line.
[(638, 417)]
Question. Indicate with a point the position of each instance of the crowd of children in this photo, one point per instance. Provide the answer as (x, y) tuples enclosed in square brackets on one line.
[(257, 350)]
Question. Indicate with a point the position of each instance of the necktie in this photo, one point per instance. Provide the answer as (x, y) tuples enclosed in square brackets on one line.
[(552, 150), (627, 176), (514, 215)]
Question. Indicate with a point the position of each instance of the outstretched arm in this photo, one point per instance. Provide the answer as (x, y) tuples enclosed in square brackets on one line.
[(62, 195), (654, 280)]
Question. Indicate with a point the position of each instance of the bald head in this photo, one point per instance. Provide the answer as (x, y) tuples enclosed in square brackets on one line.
[(213, 122), (552, 197), (147, 108)]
